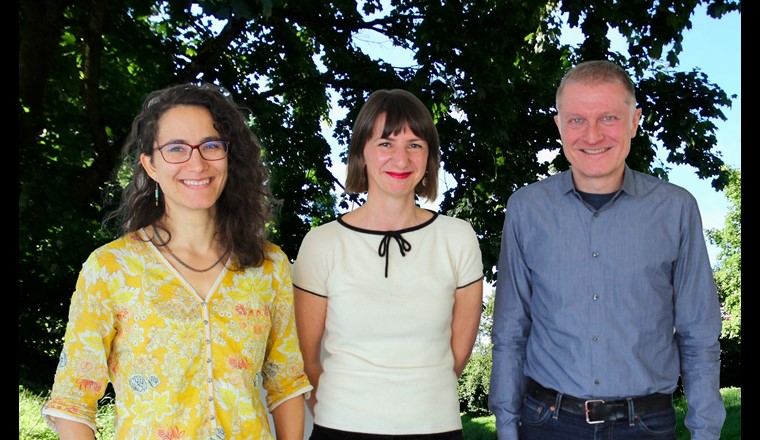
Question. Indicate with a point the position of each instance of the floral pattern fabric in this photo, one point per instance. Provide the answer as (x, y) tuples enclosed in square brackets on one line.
[(181, 367)]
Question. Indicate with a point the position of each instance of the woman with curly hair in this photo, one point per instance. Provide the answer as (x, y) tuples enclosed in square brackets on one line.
[(190, 312)]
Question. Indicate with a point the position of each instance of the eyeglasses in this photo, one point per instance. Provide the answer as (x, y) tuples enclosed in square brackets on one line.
[(174, 152)]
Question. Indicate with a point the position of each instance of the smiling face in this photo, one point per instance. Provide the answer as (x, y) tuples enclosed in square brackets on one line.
[(395, 164), (197, 183), (596, 121)]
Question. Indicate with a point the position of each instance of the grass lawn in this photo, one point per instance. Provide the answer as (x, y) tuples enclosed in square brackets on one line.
[(32, 427)]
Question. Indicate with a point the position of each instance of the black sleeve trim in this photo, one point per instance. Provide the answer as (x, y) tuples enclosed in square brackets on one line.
[(459, 287), (309, 291)]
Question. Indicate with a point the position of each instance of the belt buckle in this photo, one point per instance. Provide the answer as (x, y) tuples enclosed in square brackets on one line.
[(588, 411)]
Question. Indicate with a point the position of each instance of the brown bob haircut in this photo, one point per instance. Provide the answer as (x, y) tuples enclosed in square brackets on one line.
[(401, 109)]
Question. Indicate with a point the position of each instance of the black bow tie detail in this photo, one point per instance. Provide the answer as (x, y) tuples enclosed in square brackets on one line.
[(403, 246)]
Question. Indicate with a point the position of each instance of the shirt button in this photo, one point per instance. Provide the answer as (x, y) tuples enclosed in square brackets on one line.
[(595, 254), (596, 381), (596, 214), (596, 338), (205, 321), (208, 361), (208, 341), (211, 399), (596, 297)]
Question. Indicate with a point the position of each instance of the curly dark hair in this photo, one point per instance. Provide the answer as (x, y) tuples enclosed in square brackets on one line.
[(245, 205)]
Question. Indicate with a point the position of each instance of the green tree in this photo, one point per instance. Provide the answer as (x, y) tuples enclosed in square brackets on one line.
[(474, 383), (728, 278), (487, 70)]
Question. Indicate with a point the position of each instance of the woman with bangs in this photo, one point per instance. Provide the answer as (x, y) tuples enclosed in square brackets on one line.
[(388, 297)]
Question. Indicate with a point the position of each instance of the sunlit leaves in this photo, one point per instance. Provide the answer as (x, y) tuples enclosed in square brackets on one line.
[(486, 69)]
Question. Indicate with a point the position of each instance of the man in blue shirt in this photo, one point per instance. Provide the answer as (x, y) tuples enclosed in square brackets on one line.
[(605, 295)]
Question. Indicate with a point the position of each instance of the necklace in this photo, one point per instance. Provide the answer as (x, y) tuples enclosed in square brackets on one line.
[(163, 243)]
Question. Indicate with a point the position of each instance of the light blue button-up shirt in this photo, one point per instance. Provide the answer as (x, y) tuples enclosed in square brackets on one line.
[(607, 303)]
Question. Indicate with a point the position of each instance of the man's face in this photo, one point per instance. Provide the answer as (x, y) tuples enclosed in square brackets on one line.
[(596, 123)]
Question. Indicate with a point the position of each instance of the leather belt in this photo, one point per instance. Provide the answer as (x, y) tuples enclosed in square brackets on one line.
[(599, 410)]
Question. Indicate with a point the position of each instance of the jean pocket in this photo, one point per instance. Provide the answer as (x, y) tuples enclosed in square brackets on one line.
[(534, 412), (659, 423)]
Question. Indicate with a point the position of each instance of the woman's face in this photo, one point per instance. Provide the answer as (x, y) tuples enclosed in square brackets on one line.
[(396, 164), (197, 183)]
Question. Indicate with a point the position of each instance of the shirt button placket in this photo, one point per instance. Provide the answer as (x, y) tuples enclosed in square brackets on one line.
[(595, 274), (209, 363)]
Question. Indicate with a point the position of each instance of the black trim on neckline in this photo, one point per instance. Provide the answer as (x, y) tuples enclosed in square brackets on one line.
[(403, 245), (400, 231)]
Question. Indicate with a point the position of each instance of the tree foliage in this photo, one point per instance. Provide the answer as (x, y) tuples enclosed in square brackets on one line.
[(474, 383), (728, 272), (486, 68), (728, 278)]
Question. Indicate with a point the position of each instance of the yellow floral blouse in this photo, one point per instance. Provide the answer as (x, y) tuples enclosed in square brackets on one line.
[(181, 367)]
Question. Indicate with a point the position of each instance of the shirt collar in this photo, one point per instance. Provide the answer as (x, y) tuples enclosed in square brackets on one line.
[(629, 181)]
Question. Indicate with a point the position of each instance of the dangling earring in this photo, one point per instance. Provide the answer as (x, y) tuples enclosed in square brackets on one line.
[(424, 180), (156, 193)]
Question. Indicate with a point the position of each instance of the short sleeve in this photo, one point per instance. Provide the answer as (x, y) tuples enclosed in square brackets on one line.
[(82, 373), (469, 259), (312, 267), (283, 371)]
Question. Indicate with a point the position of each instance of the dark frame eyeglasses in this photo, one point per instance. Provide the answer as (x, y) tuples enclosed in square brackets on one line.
[(178, 152)]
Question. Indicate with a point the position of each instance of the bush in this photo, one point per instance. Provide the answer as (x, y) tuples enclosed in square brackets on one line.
[(474, 383)]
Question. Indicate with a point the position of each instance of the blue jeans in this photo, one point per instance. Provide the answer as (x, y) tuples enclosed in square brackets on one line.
[(539, 421)]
